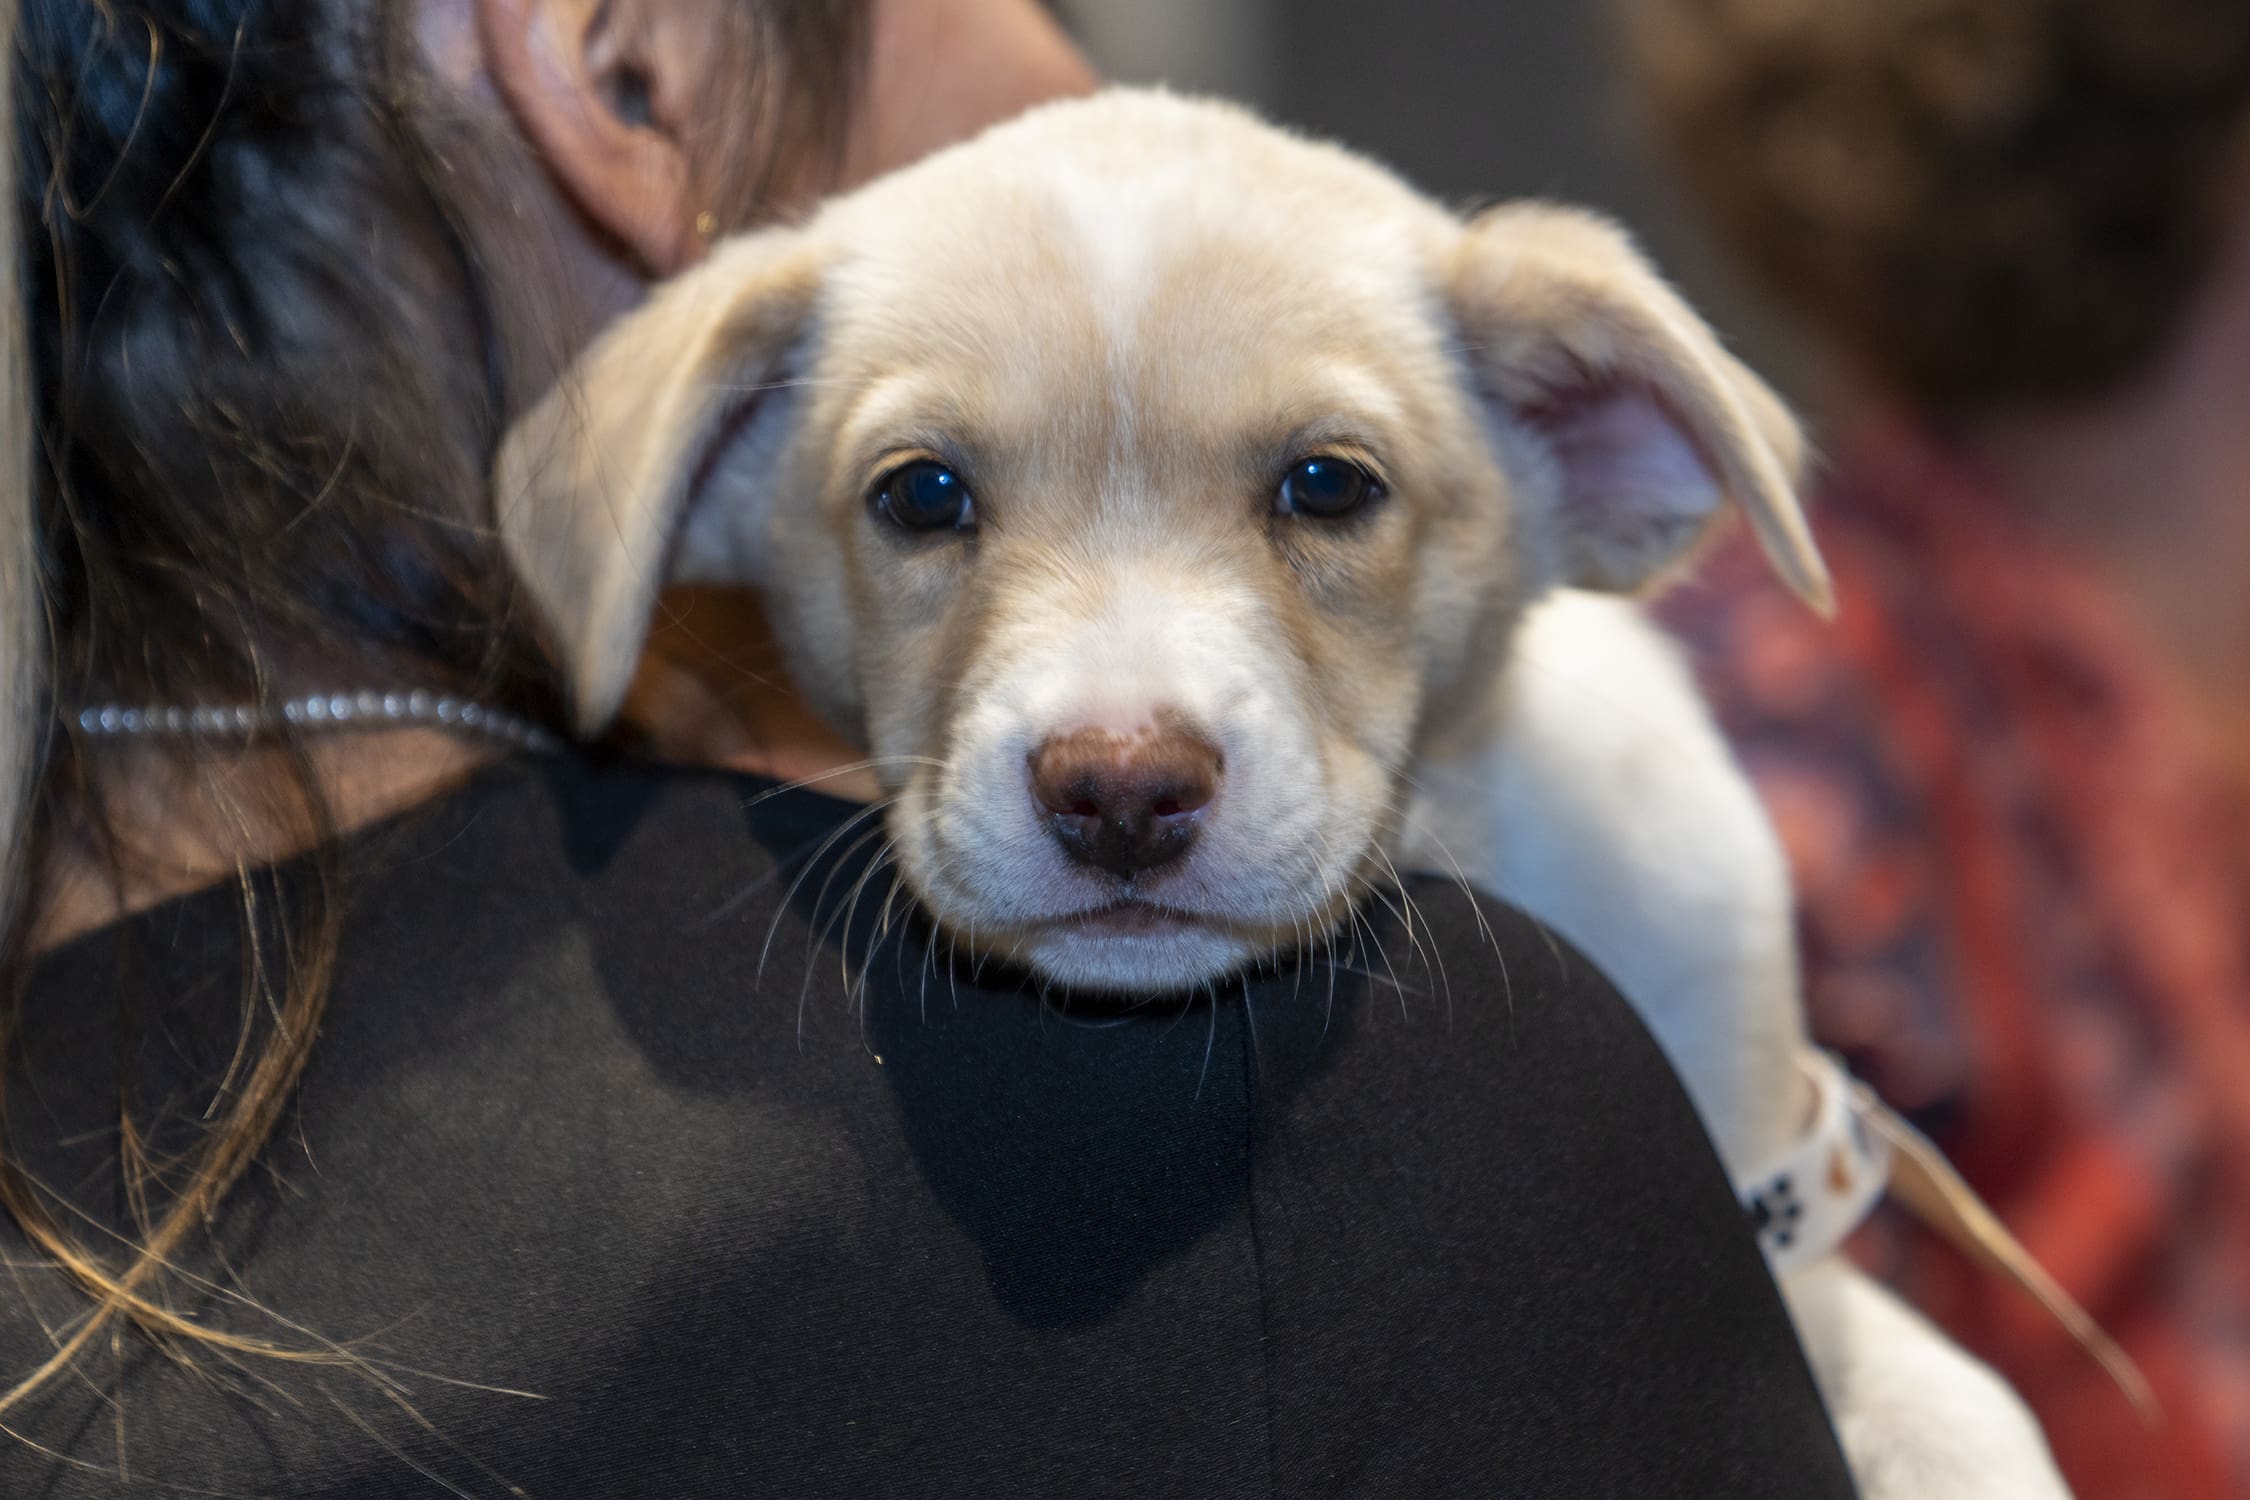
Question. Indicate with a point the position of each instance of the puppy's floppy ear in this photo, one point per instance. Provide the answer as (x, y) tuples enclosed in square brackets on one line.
[(594, 482), (1650, 422)]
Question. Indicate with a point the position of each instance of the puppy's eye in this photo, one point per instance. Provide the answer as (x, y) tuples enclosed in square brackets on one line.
[(1326, 488), (925, 496)]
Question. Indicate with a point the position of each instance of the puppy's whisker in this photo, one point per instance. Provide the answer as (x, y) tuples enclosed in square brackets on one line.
[(1365, 973), (881, 861), (1210, 1044), (822, 930), (817, 932), (811, 861), (833, 773), (1382, 953), (1468, 891), (837, 925), (1428, 951), (1406, 921)]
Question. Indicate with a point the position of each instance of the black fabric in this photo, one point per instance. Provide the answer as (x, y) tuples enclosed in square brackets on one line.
[(739, 1235)]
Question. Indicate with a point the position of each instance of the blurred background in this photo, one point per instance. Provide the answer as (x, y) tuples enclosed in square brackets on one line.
[(1471, 99)]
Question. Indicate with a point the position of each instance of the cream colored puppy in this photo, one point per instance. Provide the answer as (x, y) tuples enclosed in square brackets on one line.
[(1192, 518)]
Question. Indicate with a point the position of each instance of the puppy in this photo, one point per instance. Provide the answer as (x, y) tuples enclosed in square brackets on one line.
[(1190, 519)]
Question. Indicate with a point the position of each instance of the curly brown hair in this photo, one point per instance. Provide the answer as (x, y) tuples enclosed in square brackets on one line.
[(1990, 202)]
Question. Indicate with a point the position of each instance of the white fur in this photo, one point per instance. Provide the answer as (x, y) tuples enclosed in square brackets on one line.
[(1916, 1416), (1596, 794)]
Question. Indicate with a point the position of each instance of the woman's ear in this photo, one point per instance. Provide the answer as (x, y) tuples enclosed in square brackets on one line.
[(602, 93), (1651, 423), (594, 484)]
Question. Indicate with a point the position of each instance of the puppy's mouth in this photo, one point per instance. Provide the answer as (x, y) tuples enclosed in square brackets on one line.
[(1126, 917), (1224, 905)]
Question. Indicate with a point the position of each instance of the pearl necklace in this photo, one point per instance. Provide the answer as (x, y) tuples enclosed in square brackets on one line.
[(417, 708)]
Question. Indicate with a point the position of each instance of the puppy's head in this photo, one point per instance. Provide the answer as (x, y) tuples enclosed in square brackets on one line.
[(1140, 484)]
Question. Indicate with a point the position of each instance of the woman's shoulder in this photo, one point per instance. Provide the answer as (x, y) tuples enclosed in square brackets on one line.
[(646, 1129)]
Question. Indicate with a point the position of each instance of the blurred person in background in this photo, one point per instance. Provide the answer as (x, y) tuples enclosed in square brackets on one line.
[(2015, 775)]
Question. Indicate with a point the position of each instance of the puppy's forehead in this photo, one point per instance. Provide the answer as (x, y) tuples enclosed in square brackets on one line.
[(1177, 267)]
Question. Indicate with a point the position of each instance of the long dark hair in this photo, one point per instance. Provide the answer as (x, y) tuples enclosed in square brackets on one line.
[(265, 384)]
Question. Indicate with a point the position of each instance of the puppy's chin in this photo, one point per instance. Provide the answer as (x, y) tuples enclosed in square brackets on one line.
[(1136, 954), (996, 897), (1140, 951)]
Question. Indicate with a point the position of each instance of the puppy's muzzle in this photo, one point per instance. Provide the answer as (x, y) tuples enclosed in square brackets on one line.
[(1128, 804)]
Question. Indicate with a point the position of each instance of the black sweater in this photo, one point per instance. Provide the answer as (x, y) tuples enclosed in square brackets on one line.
[(1456, 1233)]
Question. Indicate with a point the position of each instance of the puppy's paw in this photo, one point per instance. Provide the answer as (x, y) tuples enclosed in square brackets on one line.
[(1917, 1417), (1987, 1449)]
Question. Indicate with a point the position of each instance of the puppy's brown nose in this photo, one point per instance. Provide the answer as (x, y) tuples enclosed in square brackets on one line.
[(1125, 803)]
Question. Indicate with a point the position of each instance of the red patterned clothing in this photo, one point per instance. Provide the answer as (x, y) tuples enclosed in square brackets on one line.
[(2023, 910)]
